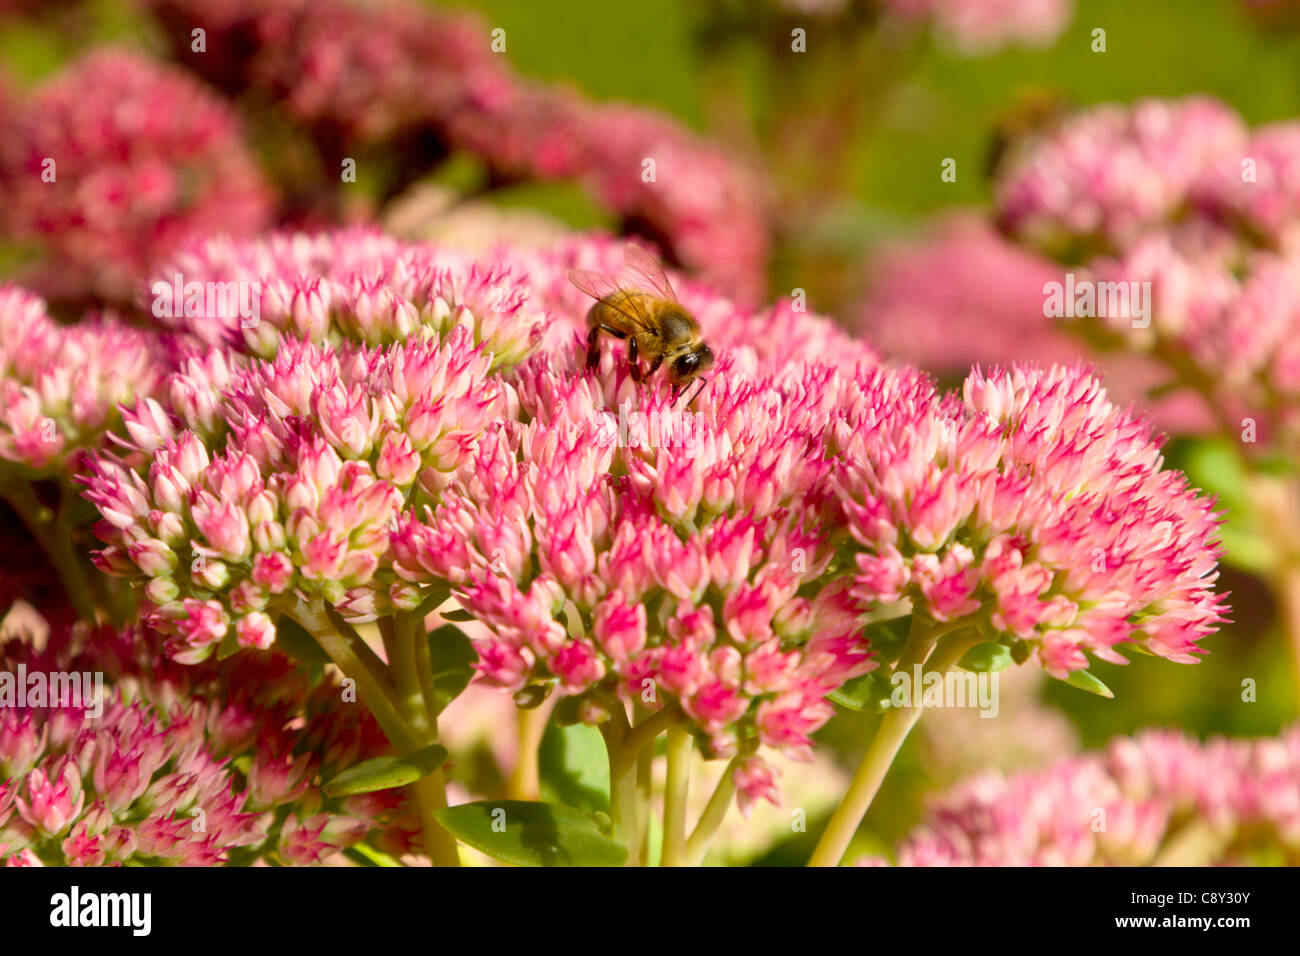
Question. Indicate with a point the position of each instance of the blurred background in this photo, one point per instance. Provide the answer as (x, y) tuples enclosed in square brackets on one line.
[(842, 147)]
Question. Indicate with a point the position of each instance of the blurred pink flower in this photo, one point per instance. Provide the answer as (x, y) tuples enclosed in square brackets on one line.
[(60, 386), (1160, 797), (396, 71), (983, 26), (1111, 172), (965, 295), (117, 160)]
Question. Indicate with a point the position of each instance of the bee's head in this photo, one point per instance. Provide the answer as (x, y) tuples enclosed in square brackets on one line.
[(692, 363)]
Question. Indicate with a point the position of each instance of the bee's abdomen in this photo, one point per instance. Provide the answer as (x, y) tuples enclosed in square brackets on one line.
[(615, 311)]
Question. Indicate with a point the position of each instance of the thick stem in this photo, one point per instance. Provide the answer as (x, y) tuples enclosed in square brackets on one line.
[(715, 811), (676, 792), (647, 730), (415, 701), (893, 730), (622, 784), (645, 783), (524, 781), (54, 534), (376, 692)]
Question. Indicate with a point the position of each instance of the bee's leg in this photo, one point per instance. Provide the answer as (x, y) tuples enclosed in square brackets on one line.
[(633, 366), (593, 343), (703, 382), (654, 366)]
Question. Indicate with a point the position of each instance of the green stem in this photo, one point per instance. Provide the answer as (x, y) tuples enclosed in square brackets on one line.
[(676, 792), (406, 647), (715, 811), (893, 730), (524, 776), (622, 784), (54, 534), (645, 768), (650, 728), (376, 690)]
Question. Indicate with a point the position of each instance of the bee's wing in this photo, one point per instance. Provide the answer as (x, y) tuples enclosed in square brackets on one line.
[(645, 271), (613, 292), (598, 285)]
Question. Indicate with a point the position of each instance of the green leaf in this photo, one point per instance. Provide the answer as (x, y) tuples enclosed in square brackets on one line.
[(868, 693), (365, 855), (434, 597), (229, 645), (532, 834), (532, 696), (573, 767), (452, 656), (296, 641), (458, 616), (385, 772), (888, 637), (1020, 651), (987, 658), (1085, 681), (568, 711)]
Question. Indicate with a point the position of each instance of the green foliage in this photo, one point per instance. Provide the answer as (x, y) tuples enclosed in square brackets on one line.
[(574, 767), (532, 834), (383, 773), (452, 657)]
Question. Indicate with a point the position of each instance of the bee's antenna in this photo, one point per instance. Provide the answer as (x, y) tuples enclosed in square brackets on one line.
[(703, 382)]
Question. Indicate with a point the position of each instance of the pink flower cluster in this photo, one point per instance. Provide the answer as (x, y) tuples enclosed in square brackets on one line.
[(1157, 797), (113, 163), (613, 543), (154, 778), (357, 73), (1112, 172), (296, 489), (983, 26), (1182, 196), (963, 294), (60, 386), (972, 27), (1031, 508), (354, 285)]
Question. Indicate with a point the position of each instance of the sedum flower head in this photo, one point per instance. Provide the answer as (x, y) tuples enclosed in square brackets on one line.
[(295, 491), (1140, 802), (354, 285), (143, 158), (1112, 172), (614, 544), (183, 766), (60, 386), (1031, 508)]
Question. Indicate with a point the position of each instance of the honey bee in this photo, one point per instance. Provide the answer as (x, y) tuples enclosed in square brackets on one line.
[(639, 305)]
